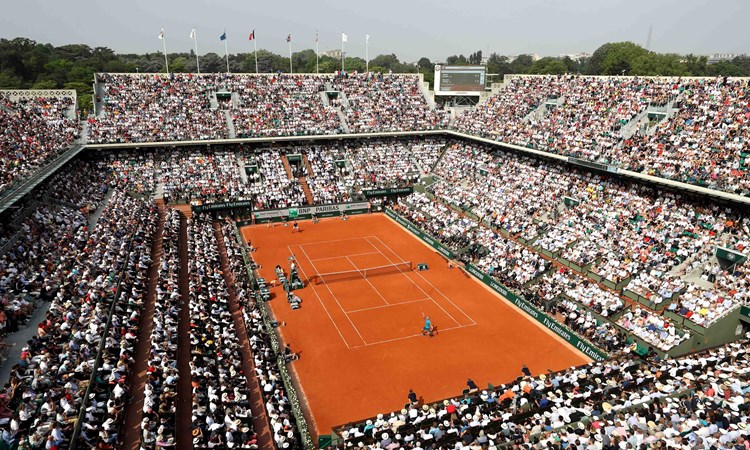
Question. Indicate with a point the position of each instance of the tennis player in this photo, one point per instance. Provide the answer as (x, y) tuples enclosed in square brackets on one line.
[(295, 227), (427, 329)]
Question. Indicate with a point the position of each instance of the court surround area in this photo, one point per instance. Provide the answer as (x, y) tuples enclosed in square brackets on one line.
[(359, 337)]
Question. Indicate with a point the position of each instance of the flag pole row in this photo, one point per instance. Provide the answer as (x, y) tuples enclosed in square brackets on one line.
[(251, 37)]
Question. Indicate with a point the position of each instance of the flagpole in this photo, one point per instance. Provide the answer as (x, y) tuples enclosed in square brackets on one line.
[(164, 43), (291, 70), (226, 49), (342, 52), (255, 43), (317, 54), (195, 39), (367, 53)]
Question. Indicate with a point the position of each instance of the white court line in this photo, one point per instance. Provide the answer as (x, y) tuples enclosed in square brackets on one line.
[(412, 281), (344, 256), (409, 337), (319, 299), (333, 295), (426, 280), (333, 240), (385, 306), (368, 282)]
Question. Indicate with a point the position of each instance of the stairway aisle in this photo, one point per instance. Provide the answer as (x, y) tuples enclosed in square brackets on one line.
[(287, 167), (306, 190), (308, 166), (134, 409), (184, 384)]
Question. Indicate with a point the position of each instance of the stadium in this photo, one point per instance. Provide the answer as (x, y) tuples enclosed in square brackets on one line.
[(373, 259)]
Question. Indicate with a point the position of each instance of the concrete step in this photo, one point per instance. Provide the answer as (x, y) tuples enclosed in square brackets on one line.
[(287, 167), (306, 190), (230, 125), (308, 166)]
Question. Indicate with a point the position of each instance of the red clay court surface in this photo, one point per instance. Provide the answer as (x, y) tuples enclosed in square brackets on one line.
[(359, 338)]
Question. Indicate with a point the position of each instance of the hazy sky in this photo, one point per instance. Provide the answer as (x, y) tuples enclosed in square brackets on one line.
[(409, 28)]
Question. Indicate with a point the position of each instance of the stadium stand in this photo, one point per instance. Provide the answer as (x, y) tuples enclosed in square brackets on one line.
[(687, 130), (281, 105), (32, 132), (159, 421), (55, 367), (387, 102), (627, 266), (155, 107), (220, 393)]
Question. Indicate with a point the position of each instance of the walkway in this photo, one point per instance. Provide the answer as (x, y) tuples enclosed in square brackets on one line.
[(184, 384)]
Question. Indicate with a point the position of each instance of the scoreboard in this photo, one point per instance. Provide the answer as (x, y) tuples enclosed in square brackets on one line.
[(459, 80)]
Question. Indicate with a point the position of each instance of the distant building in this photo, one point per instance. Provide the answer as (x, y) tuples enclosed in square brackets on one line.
[(577, 56), (335, 54), (719, 57)]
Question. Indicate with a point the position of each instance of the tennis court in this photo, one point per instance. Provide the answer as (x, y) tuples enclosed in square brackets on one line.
[(359, 328)]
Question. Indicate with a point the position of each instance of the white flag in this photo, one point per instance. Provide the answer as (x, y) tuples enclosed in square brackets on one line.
[(343, 37), (161, 35), (367, 38), (192, 34)]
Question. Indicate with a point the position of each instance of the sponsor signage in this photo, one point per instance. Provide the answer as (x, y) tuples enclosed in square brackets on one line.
[(388, 191), (224, 205), (306, 212)]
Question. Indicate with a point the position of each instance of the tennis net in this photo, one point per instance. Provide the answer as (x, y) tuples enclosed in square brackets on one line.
[(332, 277)]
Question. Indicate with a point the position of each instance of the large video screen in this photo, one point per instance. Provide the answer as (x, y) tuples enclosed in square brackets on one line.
[(459, 80)]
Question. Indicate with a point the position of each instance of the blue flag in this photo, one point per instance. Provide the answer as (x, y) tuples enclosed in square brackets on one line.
[(223, 37)]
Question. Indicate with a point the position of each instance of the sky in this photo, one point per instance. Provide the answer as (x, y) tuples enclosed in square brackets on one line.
[(409, 28)]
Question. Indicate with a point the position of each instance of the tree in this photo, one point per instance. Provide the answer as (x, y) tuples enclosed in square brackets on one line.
[(57, 70), (522, 64), (696, 65), (44, 84), (457, 60), (211, 62), (425, 64), (498, 64), (178, 65), (548, 66), (352, 64), (476, 58), (616, 58), (654, 64), (9, 81), (387, 62)]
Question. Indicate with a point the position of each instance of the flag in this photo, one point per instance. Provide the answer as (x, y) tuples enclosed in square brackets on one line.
[(343, 37), (367, 38), (161, 35), (192, 34), (316, 36), (252, 36), (223, 36), (289, 38)]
